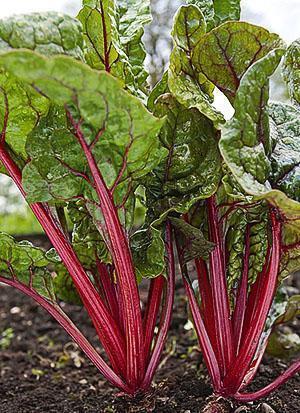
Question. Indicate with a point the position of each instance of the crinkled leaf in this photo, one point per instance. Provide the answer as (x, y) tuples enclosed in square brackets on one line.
[(231, 190), (245, 143), (25, 263), (20, 108), (285, 159), (189, 26), (113, 32), (191, 171), (256, 219), (86, 240), (195, 245), (207, 9), (291, 70), (134, 15), (99, 21), (260, 146), (190, 88), (54, 155), (159, 89), (63, 284), (64, 287), (48, 33), (285, 176), (242, 214), (226, 10), (290, 262), (128, 141), (148, 251), (224, 54), (218, 11)]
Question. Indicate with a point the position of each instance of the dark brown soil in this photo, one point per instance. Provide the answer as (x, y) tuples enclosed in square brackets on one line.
[(39, 373)]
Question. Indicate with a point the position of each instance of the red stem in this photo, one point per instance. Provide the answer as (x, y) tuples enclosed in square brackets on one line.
[(166, 313), (108, 290), (56, 312), (206, 299), (241, 299), (224, 339), (235, 377), (106, 327), (204, 340), (151, 313), (119, 248), (290, 372), (254, 294)]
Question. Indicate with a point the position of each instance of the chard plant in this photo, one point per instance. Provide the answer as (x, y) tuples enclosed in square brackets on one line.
[(77, 140), (231, 190), (85, 151)]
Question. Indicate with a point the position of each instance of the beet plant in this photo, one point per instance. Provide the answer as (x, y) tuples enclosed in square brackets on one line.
[(86, 143), (77, 140), (230, 189)]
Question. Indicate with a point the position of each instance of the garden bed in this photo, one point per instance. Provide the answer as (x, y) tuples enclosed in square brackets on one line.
[(39, 373)]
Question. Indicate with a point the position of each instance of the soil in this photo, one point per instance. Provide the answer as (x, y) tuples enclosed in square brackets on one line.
[(43, 371)]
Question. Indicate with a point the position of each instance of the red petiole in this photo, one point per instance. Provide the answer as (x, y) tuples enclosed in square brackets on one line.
[(114, 309), (231, 339)]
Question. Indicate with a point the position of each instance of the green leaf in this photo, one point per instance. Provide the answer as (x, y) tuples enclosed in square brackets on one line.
[(231, 190), (113, 32), (291, 70), (189, 87), (134, 15), (242, 214), (290, 261), (226, 10), (224, 54), (127, 127), (191, 171), (256, 218), (23, 106), (26, 264), (54, 155), (207, 9), (64, 287), (218, 11), (86, 239), (48, 33), (127, 148), (189, 26), (159, 89), (99, 21), (245, 143), (285, 158), (63, 284), (263, 151), (192, 239), (148, 250), (260, 145)]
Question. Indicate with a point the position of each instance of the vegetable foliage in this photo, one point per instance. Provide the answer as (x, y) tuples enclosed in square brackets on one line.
[(84, 150)]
